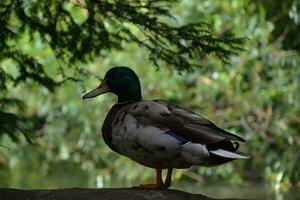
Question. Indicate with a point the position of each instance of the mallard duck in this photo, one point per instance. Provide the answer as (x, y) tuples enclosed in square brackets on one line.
[(158, 133)]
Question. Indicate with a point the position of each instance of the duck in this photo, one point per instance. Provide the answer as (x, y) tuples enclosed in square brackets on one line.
[(158, 133)]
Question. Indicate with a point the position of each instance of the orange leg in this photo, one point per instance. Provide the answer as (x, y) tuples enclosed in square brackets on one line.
[(169, 177), (159, 183)]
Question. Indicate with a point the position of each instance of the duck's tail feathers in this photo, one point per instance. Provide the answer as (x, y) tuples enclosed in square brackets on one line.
[(229, 154)]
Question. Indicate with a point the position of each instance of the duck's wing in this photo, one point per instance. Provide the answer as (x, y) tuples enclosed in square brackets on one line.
[(186, 123)]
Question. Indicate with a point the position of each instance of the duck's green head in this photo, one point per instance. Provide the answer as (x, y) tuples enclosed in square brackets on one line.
[(121, 81)]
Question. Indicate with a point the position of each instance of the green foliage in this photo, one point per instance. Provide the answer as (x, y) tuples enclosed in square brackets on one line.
[(254, 94), (286, 23), (74, 32)]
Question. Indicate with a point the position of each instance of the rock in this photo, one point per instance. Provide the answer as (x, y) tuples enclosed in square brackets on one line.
[(95, 194)]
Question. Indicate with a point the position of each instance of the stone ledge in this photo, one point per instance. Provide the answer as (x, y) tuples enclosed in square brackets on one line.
[(98, 194)]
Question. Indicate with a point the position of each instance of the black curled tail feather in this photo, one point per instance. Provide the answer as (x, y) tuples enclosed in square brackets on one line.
[(224, 151), (236, 145), (223, 144)]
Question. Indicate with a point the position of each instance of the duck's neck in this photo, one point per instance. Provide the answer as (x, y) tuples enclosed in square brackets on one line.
[(127, 100), (130, 94)]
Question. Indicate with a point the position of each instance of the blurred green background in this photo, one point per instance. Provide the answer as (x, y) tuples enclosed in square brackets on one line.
[(255, 95)]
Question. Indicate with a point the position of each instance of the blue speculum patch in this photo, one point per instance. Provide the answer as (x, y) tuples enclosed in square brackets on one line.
[(177, 137)]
